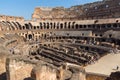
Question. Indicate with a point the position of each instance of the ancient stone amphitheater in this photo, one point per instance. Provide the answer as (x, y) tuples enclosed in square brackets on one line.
[(58, 43)]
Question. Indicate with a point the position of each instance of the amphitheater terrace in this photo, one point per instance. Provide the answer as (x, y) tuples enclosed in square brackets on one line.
[(77, 43)]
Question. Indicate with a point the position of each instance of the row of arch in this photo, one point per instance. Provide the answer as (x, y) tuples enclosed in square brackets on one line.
[(73, 25), (6, 25)]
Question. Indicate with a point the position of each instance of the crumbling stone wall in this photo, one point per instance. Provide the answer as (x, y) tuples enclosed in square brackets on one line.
[(99, 9), (11, 18), (2, 67), (44, 72), (65, 72), (18, 69)]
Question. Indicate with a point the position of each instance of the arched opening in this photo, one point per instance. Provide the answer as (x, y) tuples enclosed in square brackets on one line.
[(96, 35), (27, 26), (19, 25), (40, 24), (103, 26), (65, 25), (51, 24), (47, 25), (57, 25), (23, 27), (34, 27), (76, 26), (73, 24), (69, 25), (15, 25), (54, 26), (61, 26), (80, 26), (29, 36), (30, 25), (44, 25), (115, 25), (108, 25), (110, 35), (89, 26), (84, 26), (97, 26), (37, 27)]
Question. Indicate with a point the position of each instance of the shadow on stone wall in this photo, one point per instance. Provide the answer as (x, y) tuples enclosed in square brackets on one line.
[(114, 76), (28, 78), (3, 76)]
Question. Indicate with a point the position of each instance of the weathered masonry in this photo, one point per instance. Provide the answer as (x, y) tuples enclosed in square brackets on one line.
[(58, 43)]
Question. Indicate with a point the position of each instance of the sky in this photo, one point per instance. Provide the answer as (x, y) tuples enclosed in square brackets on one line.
[(25, 8)]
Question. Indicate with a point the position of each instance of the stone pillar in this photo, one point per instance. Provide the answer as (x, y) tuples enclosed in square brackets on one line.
[(64, 72), (72, 72), (44, 72), (2, 67), (18, 69)]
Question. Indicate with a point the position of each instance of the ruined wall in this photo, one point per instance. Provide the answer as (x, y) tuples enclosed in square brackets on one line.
[(23, 68), (18, 69), (44, 72), (64, 72), (2, 67), (11, 18), (100, 9)]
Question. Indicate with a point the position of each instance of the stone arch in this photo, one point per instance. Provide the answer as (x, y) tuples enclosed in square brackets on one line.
[(41, 25), (85, 26), (119, 25), (30, 25), (27, 26), (108, 26), (54, 25), (44, 25), (61, 25), (73, 25), (38, 27), (98, 26), (65, 25), (69, 26), (15, 25), (30, 36), (80, 26), (103, 26), (89, 26), (76, 26), (48, 26), (24, 27), (12, 25), (57, 25), (51, 24), (20, 27), (115, 25), (7, 24), (34, 27)]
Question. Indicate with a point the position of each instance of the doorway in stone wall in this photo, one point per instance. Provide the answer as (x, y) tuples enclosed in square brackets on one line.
[(30, 36)]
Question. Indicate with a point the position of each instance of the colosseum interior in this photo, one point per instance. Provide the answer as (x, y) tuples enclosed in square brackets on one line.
[(62, 43)]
